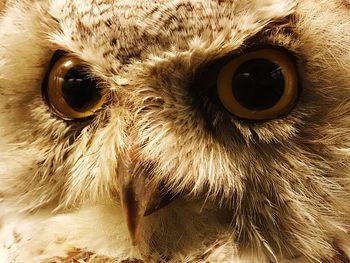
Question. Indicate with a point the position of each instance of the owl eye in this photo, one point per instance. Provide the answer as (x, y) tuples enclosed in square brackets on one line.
[(259, 85), (70, 91)]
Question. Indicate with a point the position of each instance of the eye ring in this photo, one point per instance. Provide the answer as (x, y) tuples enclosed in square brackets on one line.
[(58, 96), (284, 104)]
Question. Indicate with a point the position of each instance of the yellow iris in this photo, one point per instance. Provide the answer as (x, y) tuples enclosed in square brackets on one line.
[(70, 92), (283, 77)]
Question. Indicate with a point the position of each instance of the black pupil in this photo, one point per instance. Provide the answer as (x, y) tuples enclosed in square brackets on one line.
[(258, 84), (79, 90)]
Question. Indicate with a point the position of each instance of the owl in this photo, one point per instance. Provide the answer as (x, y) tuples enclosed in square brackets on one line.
[(178, 131)]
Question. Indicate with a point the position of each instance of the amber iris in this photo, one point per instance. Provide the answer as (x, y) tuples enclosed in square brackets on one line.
[(258, 85), (70, 91)]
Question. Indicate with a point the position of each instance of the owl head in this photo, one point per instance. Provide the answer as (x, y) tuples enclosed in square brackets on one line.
[(225, 121)]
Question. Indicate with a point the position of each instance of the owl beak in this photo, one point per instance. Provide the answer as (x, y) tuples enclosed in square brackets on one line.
[(135, 198), (141, 198)]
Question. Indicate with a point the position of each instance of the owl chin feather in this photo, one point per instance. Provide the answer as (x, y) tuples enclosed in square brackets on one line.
[(174, 131)]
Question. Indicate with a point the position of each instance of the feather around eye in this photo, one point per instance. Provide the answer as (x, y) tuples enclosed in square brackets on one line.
[(75, 185), (69, 90)]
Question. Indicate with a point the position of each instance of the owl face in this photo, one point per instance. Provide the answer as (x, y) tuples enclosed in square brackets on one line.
[(234, 112)]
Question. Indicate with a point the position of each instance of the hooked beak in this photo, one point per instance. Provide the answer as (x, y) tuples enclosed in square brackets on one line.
[(140, 197)]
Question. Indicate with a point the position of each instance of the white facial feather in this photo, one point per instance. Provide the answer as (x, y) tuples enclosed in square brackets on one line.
[(272, 191)]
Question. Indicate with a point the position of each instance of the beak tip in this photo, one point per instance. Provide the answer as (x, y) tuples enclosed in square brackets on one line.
[(134, 241), (139, 198), (134, 233), (133, 210)]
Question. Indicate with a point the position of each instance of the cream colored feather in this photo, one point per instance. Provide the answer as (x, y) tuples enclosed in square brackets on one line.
[(246, 192)]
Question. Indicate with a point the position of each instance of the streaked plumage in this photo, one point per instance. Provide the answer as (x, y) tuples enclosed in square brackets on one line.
[(273, 190)]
